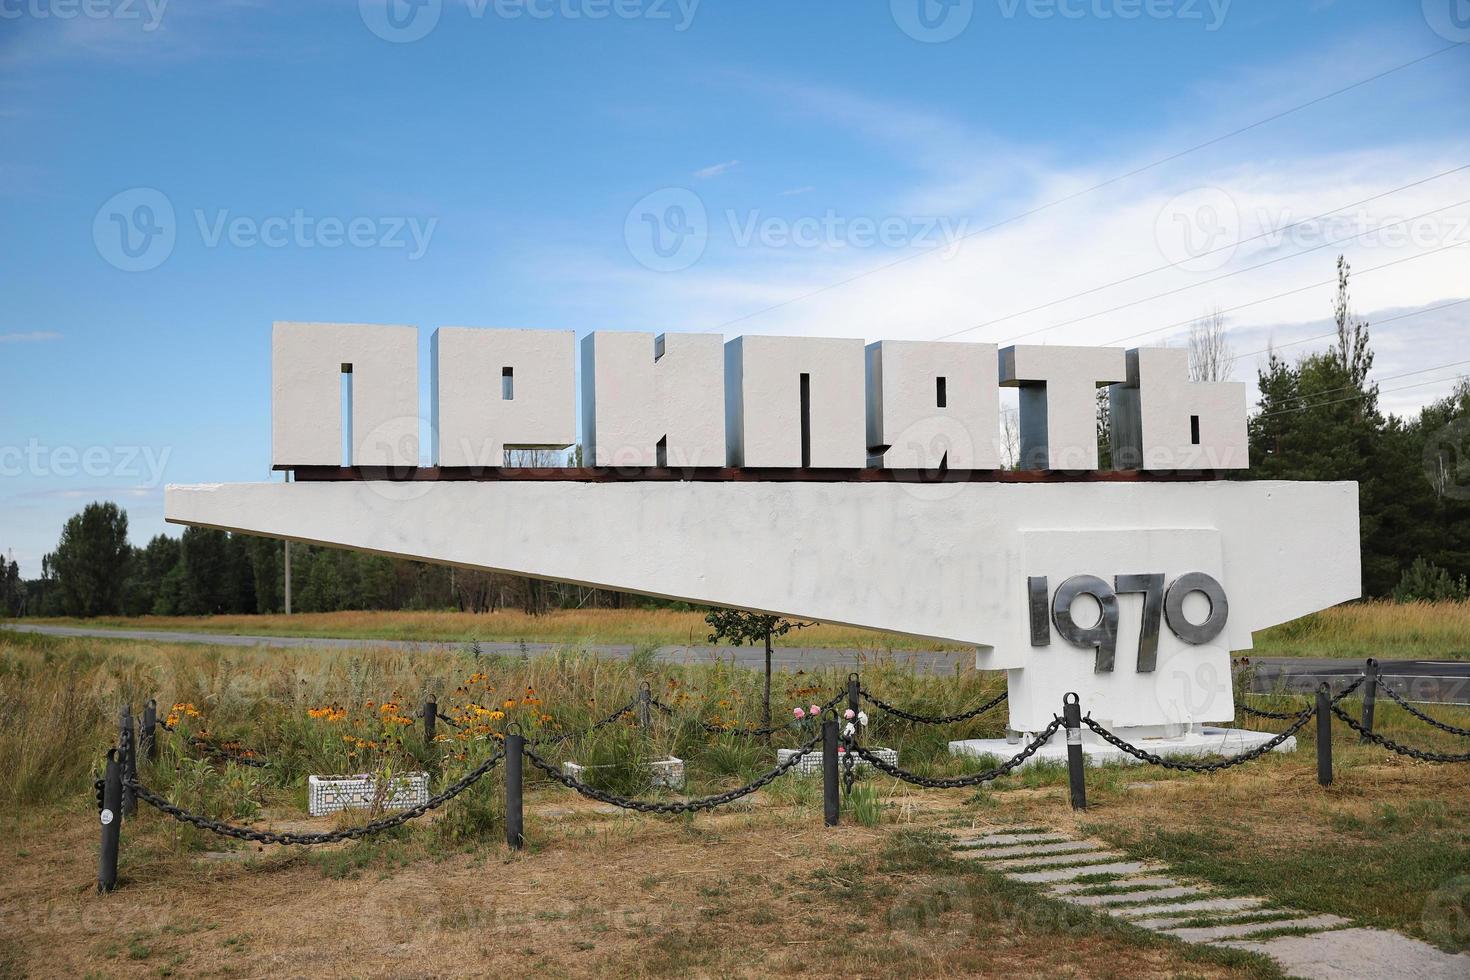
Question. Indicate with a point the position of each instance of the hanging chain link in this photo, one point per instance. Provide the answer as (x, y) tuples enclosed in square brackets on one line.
[(682, 806), (934, 719), (573, 736), (1393, 746), (747, 732), (1399, 700), (244, 757), (1273, 715), (955, 782), (328, 837), (1235, 760)]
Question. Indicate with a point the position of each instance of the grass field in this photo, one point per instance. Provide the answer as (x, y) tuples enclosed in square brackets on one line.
[(1358, 630), (755, 888)]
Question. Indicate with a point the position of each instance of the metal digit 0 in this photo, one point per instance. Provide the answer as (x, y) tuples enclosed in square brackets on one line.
[(1174, 608), (1103, 635)]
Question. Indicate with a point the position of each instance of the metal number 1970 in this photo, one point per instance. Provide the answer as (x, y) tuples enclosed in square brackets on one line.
[(1159, 603)]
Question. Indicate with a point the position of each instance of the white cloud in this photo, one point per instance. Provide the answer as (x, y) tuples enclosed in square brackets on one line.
[(714, 170)]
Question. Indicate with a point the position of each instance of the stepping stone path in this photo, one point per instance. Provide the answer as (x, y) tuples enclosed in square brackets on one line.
[(1145, 895)]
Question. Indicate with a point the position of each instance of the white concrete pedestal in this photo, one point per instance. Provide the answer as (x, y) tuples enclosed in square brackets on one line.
[(1200, 743)]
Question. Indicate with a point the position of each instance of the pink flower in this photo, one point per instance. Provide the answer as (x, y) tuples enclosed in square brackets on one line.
[(815, 710), (849, 713), (799, 714)]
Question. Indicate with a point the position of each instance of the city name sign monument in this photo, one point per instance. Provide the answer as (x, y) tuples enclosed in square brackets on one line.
[(829, 480)]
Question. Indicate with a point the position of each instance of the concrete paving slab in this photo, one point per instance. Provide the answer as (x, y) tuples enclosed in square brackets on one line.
[(1209, 934), (1190, 908), (1021, 850), (1003, 839), (1055, 860), (1359, 954), (1152, 881), (1108, 902), (1071, 874)]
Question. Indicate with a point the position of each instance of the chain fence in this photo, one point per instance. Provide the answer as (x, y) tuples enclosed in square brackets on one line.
[(311, 838), (956, 782), (882, 705), (1388, 743), (840, 754), (675, 806), (1403, 703)]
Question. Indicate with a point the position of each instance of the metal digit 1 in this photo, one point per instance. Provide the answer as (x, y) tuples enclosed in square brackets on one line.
[(1103, 635), (1174, 608), (1036, 603)]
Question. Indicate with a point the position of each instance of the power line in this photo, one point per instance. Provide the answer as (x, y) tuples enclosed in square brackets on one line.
[(1360, 395), (1391, 377), (1289, 292), (1376, 323), (1213, 251), (1095, 187), (1227, 275)]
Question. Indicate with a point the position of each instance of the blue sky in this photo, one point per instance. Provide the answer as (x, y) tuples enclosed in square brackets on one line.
[(320, 160)]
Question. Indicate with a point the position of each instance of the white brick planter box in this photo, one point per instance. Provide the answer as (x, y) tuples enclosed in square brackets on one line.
[(666, 773), (329, 794), (811, 763)]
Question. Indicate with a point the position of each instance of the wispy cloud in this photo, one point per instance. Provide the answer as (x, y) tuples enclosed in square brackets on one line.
[(34, 337), (716, 169), (795, 191)]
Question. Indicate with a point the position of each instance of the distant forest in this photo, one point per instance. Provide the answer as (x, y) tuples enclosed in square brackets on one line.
[(1318, 419)]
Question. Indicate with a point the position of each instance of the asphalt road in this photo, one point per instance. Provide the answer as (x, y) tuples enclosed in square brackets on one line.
[(1425, 681)]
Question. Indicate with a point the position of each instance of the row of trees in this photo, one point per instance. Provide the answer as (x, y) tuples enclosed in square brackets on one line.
[(95, 572), (1319, 419)]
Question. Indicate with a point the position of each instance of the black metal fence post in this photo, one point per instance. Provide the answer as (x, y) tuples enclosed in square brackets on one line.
[(645, 705), (1076, 773), (515, 747), (1370, 697), (431, 718), (111, 820), (854, 692), (1324, 735), (129, 749), (831, 803), (148, 737)]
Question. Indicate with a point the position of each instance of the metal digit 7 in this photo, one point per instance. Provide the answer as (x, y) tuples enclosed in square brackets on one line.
[(1104, 633), (1152, 587)]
